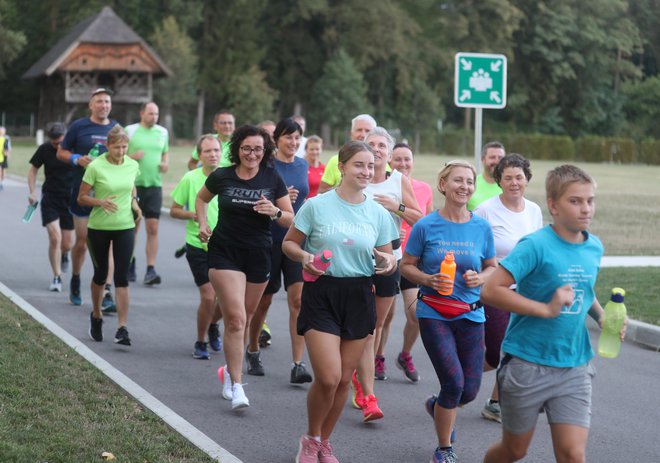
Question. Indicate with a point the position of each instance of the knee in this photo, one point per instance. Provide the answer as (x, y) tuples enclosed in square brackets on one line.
[(571, 455), (294, 307), (450, 396), (469, 393), (329, 383), (516, 451), (234, 324)]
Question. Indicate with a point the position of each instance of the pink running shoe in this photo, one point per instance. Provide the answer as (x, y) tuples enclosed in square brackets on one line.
[(370, 409), (326, 454), (379, 368), (358, 395), (308, 450), (405, 362)]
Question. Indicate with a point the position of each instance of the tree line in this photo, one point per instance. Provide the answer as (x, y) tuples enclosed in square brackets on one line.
[(575, 68)]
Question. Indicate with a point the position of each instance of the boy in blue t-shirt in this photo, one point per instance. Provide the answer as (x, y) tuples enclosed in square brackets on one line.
[(547, 349)]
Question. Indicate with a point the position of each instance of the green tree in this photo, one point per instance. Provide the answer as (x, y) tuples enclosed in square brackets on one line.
[(11, 40), (642, 108), (340, 93), (250, 97), (418, 110), (178, 91)]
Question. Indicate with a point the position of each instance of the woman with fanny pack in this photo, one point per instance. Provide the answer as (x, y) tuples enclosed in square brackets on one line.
[(451, 326)]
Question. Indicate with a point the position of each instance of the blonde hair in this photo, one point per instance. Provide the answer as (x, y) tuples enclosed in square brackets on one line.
[(560, 178), (449, 167), (116, 134)]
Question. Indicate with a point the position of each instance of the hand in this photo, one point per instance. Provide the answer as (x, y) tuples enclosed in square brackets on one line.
[(137, 214), (402, 234), (562, 297), (163, 166), (293, 194), (108, 204), (472, 279), (622, 333), (385, 263), (441, 282), (84, 161), (387, 202), (265, 206), (32, 198), (308, 265), (204, 233)]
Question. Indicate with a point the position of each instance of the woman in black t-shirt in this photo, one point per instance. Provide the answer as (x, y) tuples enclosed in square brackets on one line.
[(251, 194)]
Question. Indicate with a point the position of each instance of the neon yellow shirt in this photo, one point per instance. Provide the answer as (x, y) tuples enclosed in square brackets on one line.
[(482, 191), (185, 194)]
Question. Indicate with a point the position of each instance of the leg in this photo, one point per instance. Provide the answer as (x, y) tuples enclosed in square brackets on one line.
[(293, 295), (205, 310), (99, 246), (67, 240), (512, 447), (569, 442), (54, 246), (411, 329), (152, 240), (122, 249), (366, 368), (80, 246), (385, 332), (257, 321)]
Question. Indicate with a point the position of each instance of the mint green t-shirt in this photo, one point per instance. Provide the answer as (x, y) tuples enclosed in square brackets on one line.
[(482, 191), (350, 231), (224, 157), (107, 180), (154, 142), (185, 194)]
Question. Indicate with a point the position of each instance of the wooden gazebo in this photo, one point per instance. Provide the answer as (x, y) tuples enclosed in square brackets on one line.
[(101, 51)]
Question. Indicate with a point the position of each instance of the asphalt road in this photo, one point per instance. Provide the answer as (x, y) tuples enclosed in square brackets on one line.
[(626, 403)]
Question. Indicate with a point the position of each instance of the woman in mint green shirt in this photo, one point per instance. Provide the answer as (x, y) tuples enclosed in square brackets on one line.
[(111, 222)]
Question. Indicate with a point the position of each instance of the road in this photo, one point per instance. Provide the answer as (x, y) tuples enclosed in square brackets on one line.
[(626, 403)]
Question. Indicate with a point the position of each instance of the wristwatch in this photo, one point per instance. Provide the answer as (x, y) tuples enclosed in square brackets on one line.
[(402, 209), (277, 215)]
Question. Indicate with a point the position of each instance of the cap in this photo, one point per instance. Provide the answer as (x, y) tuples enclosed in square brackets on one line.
[(102, 90), (55, 130)]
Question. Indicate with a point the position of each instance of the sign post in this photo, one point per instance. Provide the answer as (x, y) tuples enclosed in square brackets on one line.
[(479, 82)]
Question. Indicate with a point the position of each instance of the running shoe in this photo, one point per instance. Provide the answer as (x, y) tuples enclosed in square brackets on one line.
[(132, 274), (492, 411), (429, 406), (225, 380), (326, 455), (379, 370), (238, 398), (405, 363), (121, 337), (444, 456), (308, 450), (357, 397), (74, 291), (65, 264), (299, 374), (254, 365), (200, 351), (56, 285), (264, 336), (108, 304), (180, 252), (214, 337), (151, 277), (95, 328), (370, 409)]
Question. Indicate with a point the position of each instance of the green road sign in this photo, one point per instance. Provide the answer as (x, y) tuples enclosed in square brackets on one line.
[(479, 80)]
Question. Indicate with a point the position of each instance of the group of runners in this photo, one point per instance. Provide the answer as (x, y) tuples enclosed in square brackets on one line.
[(255, 223)]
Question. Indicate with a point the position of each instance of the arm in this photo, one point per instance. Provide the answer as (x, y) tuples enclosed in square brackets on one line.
[(84, 199), (292, 248), (437, 281), (385, 260), (74, 159), (204, 197), (496, 292), (164, 162), (137, 155), (323, 187), (598, 314), (32, 182), (137, 212), (266, 207), (192, 163), (178, 212), (413, 212)]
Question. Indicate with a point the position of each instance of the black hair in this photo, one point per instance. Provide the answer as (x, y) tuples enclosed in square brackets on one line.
[(285, 127)]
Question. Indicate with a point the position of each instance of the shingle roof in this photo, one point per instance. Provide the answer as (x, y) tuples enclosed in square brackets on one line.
[(105, 27)]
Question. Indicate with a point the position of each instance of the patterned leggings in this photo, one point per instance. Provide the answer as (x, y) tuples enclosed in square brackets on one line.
[(456, 350)]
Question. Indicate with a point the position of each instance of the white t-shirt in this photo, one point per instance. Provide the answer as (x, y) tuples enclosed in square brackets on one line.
[(301, 149), (390, 187), (509, 226)]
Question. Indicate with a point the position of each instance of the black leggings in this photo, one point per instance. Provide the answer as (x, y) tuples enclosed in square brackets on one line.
[(98, 242)]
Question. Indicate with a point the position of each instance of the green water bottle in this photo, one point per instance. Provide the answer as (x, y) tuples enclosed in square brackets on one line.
[(609, 343), (94, 152)]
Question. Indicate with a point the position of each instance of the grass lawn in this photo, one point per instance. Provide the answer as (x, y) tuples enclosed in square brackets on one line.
[(56, 407), (641, 284), (627, 196)]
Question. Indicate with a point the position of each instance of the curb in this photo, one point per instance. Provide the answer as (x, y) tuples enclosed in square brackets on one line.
[(644, 333), (174, 421)]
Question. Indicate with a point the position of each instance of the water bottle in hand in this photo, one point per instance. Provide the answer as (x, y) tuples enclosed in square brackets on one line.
[(321, 262)]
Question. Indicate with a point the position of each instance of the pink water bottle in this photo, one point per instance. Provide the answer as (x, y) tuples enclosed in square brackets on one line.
[(321, 262)]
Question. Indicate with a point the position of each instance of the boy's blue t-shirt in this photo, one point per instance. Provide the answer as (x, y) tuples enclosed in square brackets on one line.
[(350, 231), (294, 174), (540, 263), (472, 242)]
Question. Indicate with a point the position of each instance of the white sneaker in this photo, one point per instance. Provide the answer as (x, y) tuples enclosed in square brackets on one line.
[(238, 400), (225, 379), (56, 285)]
